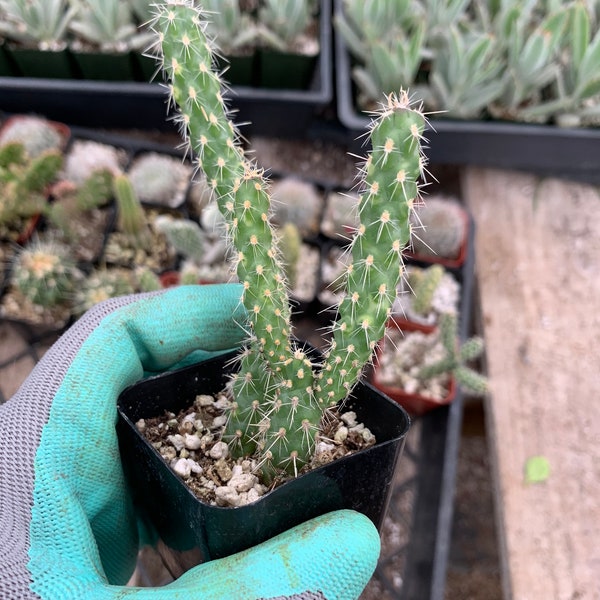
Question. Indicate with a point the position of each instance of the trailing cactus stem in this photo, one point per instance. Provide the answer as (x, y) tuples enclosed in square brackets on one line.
[(391, 176), (280, 381), (278, 397)]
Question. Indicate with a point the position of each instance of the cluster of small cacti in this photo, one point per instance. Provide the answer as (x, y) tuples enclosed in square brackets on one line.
[(24, 183), (102, 284), (530, 61), (279, 394)]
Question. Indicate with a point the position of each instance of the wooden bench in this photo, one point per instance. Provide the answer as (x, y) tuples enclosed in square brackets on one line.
[(538, 269)]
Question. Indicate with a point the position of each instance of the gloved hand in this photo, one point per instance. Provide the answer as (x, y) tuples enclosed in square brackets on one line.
[(67, 525)]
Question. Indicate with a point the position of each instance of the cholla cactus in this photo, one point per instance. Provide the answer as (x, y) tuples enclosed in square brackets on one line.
[(45, 274), (160, 179), (279, 394), (41, 23), (36, 134), (457, 355)]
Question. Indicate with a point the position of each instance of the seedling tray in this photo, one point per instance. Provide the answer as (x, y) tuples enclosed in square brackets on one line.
[(134, 105)]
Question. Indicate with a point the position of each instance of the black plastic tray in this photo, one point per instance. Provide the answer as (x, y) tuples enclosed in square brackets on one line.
[(426, 555), (544, 149), (103, 104)]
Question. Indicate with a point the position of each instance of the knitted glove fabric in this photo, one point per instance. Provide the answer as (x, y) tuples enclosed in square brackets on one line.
[(67, 525)]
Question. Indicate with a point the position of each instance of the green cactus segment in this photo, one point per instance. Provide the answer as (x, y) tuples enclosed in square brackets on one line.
[(456, 357), (272, 376), (391, 177), (187, 60), (131, 217)]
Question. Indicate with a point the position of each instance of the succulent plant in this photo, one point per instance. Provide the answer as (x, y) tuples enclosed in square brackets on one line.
[(229, 25), (186, 236), (282, 24), (279, 394), (296, 201), (340, 216), (24, 182), (576, 97), (40, 23), (108, 25), (86, 157), (160, 179), (456, 357), (35, 133), (290, 244), (45, 274), (439, 228), (101, 284), (131, 218), (423, 283)]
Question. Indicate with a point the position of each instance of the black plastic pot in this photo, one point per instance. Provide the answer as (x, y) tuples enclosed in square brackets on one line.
[(192, 531), (32, 62), (104, 66)]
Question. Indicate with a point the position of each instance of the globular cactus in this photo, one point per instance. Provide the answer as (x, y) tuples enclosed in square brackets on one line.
[(279, 394), (160, 179), (456, 357), (101, 284), (439, 228), (296, 201), (87, 157), (36, 134), (45, 274)]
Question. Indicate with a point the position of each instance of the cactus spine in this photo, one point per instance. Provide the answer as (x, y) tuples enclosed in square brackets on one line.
[(279, 394)]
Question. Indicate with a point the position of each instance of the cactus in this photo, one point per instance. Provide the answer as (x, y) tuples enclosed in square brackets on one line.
[(37, 135), (439, 228), (87, 157), (423, 283), (101, 284), (296, 201), (456, 357), (131, 218), (24, 183), (160, 179), (45, 274), (290, 243), (279, 394)]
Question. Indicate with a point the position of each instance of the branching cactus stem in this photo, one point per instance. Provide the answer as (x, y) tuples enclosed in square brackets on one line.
[(279, 394)]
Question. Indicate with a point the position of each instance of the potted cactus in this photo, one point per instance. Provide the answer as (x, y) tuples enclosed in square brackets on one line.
[(422, 370), (279, 391)]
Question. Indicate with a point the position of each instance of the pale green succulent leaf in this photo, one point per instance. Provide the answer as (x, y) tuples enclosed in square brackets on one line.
[(589, 68), (580, 34)]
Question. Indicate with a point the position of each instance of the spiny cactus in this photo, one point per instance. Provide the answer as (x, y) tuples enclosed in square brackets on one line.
[(296, 201), (439, 228), (45, 274), (290, 242), (37, 134), (279, 394), (86, 157), (101, 284), (160, 179), (24, 182), (457, 355), (131, 218)]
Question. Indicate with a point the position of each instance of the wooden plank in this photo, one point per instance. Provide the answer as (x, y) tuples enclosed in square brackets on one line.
[(538, 267)]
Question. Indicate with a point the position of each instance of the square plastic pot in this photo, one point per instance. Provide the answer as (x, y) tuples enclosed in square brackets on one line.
[(192, 531)]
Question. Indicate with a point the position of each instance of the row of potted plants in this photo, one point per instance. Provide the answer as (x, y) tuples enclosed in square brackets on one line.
[(106, 40)]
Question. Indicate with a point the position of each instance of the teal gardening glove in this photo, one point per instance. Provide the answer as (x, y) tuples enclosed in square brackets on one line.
[(67, 525)]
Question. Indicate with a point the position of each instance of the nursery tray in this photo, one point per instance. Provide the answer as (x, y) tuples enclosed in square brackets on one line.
[(544, 149), (106, 104), (433, 460)]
